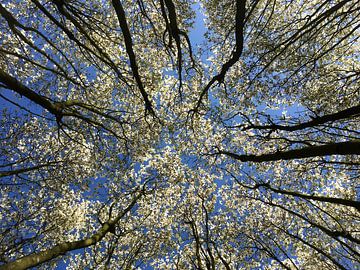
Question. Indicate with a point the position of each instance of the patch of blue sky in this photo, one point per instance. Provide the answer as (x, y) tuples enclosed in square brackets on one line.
[(197, 33)]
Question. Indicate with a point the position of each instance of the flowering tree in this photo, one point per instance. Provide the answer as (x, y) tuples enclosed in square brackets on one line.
[(124, 145)]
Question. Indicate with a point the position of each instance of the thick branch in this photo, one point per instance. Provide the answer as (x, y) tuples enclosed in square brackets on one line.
[(239, 38), (239, 45), (174, 30), (175, 33), (347, 113), (129, 49), (342, 148), (61, 249), (13, 84)]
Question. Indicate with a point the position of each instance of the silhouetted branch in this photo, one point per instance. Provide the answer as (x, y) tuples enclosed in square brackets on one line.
[(344, 114), (129, 49), (239, 45), (342, 148)]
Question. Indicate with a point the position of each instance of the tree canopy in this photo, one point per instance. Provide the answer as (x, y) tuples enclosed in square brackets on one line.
[(127, 143)]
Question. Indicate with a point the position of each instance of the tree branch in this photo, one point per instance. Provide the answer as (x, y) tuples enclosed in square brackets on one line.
[(355, 204), (61, 249), (239, 45), (347, 113), (175, 33), (342, 148), (129, 49), (13, 84), (24, 170)]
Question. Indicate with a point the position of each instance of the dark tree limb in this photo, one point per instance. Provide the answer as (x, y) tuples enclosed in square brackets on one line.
[(175, 33), (196, 236), (129, 49), (344, 114), (55, 108), (225, 263), (24, 170), (342, 148), (351, 203), (13, 84), (239, 45), (58, 109), (207, 235)]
